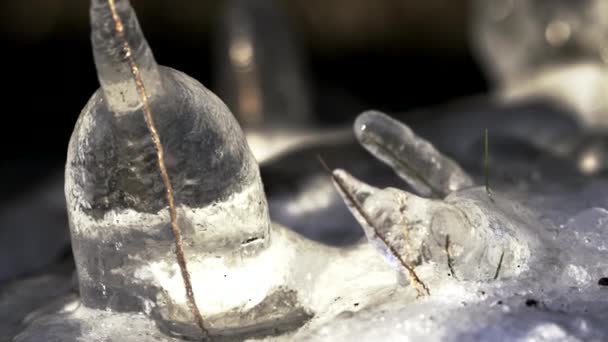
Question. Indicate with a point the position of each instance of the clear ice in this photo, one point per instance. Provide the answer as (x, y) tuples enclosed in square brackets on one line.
[(415, 160), (527, 263), (117, 203), (469, 235), (242, 268)]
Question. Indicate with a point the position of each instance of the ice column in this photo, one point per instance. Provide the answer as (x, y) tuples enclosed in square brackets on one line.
[(122, 236)]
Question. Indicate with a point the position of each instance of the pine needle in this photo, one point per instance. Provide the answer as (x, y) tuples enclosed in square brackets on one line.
[(502, 255), (486, 162), (449, 256)]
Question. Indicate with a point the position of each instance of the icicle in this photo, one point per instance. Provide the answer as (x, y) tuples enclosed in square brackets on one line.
[(414, 159), (117, 39)]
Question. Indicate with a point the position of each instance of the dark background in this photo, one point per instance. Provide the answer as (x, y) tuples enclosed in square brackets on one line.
[(392, 55)]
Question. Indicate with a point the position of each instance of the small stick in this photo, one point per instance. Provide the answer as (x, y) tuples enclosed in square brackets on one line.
[(160, 159), (450, 260), (499, 265), (417, 283)]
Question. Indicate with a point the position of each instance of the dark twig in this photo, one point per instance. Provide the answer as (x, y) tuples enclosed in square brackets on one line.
[(449, 256), (486, 162), (179, 249), (499, 265)]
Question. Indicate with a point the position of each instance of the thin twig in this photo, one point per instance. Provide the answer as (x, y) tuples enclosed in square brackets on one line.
[(499, 265), (449, 256), (486, 162), (179, 249), (420, 287)]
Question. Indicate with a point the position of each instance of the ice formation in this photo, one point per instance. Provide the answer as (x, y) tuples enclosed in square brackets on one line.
[(415, 160), (162, 191), (120, 213), (476, 235), (159, 173), (517, 260)]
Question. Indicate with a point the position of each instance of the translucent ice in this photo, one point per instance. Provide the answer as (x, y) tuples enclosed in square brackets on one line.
[(415, 160), (151, 136), (469, 234), (111, 59), (167, 212), (527, 263), (523, 264)]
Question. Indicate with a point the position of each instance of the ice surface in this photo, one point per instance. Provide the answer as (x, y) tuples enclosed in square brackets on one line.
[(415, 160), (514, 268), (23, 300)]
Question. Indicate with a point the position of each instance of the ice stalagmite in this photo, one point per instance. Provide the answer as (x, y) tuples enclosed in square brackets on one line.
[(415, 160), (151, 136)]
